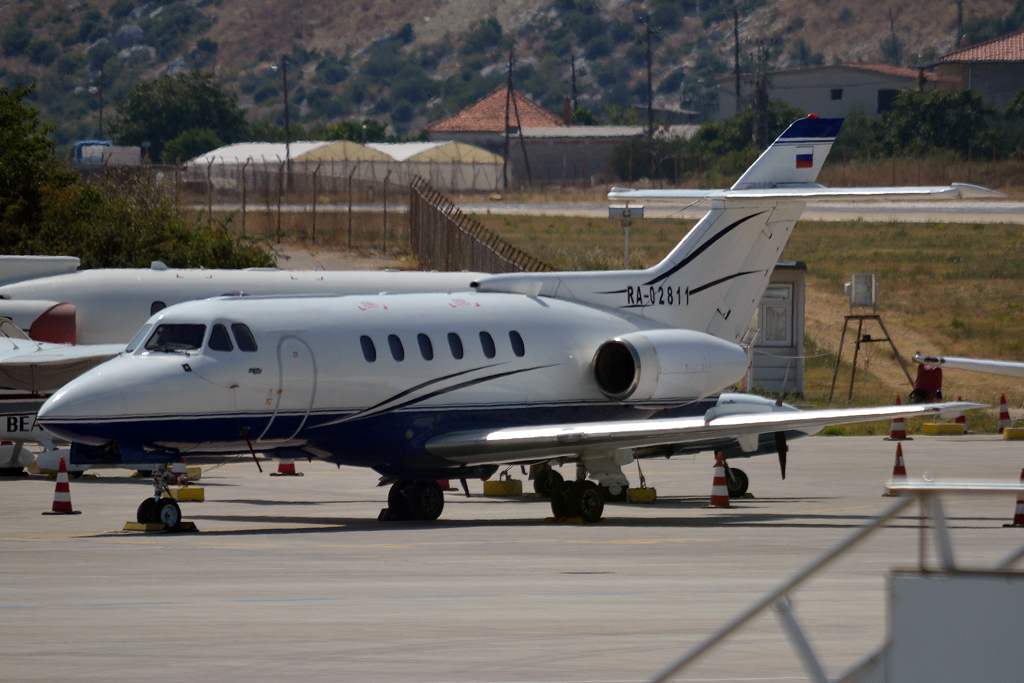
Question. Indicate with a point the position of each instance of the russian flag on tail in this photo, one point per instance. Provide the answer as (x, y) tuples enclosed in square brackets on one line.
[(804, 157)]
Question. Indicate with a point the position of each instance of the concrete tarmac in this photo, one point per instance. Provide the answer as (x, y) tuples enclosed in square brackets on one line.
[(292, 578)]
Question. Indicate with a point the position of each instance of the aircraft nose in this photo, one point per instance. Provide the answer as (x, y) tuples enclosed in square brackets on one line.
[(80, 409)]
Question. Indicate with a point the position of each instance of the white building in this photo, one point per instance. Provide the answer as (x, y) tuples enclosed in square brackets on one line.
[(829, 91)]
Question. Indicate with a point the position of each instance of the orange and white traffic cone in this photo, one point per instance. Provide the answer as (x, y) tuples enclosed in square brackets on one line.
[(179, 471), (899, 470), (1018, 513), (286, 468), (898, 431), (719, 490), (1004, 414), (62, 494), (961, 419)]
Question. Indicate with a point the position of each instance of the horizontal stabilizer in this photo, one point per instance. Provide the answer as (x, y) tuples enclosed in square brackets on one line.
[(40, 367), (993, 367), (811, 193), (517, 444)]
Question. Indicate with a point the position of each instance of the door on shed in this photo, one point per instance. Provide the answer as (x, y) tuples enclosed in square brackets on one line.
[(296, 389)]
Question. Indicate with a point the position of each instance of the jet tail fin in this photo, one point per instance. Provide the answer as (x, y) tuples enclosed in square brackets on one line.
[(795, 158)]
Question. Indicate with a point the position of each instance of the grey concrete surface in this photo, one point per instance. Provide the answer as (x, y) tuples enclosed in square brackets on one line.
[(294, 579), (962, 211)]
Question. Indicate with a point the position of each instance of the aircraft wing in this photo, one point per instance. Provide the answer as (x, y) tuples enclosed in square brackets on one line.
[(40, 367), (812, 193), (994, 367), (516, 444)]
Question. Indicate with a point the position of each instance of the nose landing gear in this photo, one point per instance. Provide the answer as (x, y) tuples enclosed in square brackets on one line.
[(159, 510)]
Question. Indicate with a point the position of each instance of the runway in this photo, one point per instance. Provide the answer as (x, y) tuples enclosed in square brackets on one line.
[(963, 211), (294, 579)]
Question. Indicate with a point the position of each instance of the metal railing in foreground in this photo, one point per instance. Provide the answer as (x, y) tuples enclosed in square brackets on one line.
[(443, 238), (928, 495)]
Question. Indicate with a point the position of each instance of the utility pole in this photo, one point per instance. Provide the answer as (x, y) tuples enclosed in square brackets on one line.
[(650, 91), (287, 121), (650, 99), (736, 45), (895, 45), (508, 101), (572, 62), (761, 85), (101, 101), (959, 23)]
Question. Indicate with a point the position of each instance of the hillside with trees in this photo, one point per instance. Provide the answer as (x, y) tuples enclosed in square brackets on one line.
[(405, 64)]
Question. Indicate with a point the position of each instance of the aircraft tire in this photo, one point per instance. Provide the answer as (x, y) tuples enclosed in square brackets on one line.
[(589, 502), (167, 512), (13, 472), (398, 504), (144, 515), (547, 483), (737, 482), (425, 500)]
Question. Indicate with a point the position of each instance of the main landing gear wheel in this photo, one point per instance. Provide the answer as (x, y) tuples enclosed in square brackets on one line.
[(145, 512), (421, 500), (737, 482), (547, 482), (167, 512), (578, 499)]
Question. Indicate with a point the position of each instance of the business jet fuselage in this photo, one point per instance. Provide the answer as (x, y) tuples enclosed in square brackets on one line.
[(370, 380)]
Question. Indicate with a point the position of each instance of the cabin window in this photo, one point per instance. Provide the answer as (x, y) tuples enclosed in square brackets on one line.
[(518, 347), (455, 344), (243, 337), (426, 348), (219, 339), (134, 343), (487, 344), (369, 350), (170, 338), (156, 306), (397, 350)]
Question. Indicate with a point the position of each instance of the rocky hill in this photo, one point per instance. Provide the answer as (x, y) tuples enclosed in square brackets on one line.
[(410, 62)]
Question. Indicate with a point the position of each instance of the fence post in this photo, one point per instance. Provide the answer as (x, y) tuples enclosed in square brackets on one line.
[(386, 176), (280, 189), (244, 193), (350, 206), (209, 191), (313, 236)]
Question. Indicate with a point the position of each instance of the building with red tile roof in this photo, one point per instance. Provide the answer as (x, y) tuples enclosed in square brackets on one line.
[(994, 68), (547, 151), (488, 115)]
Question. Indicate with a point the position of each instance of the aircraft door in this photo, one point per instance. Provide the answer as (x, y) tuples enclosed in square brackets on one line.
[(296, 389)]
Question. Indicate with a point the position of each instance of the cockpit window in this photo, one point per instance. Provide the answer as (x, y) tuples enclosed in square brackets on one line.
[(176, 338), (139, 338), (243, 335), (219, 339)]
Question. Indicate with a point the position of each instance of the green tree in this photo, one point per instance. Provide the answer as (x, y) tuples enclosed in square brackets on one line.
[(941, 119), (159, 111), (114, 223), (192, 143), (28, 168)]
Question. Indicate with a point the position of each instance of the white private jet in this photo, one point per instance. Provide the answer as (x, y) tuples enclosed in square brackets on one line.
[(534, 368)]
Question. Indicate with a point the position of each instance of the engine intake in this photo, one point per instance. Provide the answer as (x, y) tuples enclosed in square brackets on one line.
[(666, 364)]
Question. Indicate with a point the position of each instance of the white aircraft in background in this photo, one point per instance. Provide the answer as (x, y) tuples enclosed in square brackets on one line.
[(993, 367), (534, 368), (100, 310)]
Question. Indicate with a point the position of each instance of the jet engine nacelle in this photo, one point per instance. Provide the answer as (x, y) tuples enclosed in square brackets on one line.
[(667, 364)]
